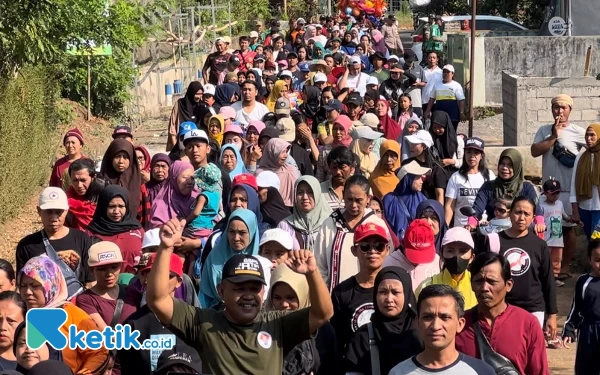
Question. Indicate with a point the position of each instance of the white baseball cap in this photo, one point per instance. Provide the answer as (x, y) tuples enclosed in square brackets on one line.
[(449, 68), (412, 168), (210, 89), (253, 34), (267, 179), (393, 57), (320, 77), (151, 238), (354, 60), (196, 134), (370, 119), (53, 198), (286, 73), (422, 136), (278, 235), (372, 81), (366, 132)]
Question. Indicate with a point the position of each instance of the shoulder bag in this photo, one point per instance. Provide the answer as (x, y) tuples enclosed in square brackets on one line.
[(501, 364), (564, 156), (375, 369), (74, 286), (112, 355)]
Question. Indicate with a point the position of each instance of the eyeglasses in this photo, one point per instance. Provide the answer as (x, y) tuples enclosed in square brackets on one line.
[(366, 247)]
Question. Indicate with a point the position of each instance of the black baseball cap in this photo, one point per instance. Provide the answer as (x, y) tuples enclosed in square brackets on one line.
[(410, 56), (122, 130), (475, 143), (354, 98), (260, 57), (180, 356), (241, 268), (551, 186), (334, 104), (234, 60)]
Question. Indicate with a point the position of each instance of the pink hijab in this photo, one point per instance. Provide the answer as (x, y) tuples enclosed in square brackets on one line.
[(347, 124), (288, 174), (169, 203)]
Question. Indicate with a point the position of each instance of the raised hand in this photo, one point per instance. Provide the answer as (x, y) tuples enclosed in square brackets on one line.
[(301, 261), (170, 233)]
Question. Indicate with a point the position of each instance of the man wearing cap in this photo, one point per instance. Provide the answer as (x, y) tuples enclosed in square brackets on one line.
[(253, 40), (415, 82), (146, 362), (298, 31), (391, 36), (333, 110), (245, 54), (241, 338), (292, 60), (448, 96), (259, 62), (353, 297), (216, 62), (558, 144), (67, 243), (378, 61), (354, 103), (457, 254), (286, 128), (353, 78), (123, 132), (305, 70), (436, 35), (248, 109), (391, 88), (73, 142)]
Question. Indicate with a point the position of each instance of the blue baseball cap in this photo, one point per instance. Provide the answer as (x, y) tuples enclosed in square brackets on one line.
[(185, 127), (305, 67), (334, 104)]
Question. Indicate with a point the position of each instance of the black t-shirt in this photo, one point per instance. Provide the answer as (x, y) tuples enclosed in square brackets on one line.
[(302, 158), (33, 245), (217, 63), (298, 76), (438, 179), (534, 288), (352, 307), (144, 362)]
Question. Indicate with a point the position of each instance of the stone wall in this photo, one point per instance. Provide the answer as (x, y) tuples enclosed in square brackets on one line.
[(526, 103)]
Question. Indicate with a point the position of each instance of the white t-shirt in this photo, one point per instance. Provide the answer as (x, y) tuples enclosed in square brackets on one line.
[(553, 217), (357, 82), (245, 118), (432, 77), (464, 191), (448, 91)]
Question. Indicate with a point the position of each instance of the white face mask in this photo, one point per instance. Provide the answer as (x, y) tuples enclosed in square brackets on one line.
[(238, 145)]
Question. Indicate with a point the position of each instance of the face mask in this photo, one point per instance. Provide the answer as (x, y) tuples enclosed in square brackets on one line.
[(456, 265), (238, 145)]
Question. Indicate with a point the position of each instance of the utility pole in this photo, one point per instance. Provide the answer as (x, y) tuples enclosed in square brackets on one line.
[(472, 65)]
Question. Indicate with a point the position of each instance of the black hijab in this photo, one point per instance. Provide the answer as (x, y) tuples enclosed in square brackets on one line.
[(50, 366), (187, 106), (273, 210), (101, 224), (52, 353), (446, 144), (130, 178), (312, 101), (224, 93)]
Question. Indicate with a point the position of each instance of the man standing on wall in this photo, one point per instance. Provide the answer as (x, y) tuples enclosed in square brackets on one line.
[(558, 144)]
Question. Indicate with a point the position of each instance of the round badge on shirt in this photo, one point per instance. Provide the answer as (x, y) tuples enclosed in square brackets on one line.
[(264, 339)]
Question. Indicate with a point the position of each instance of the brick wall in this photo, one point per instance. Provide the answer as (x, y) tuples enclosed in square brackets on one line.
[(526, 104)]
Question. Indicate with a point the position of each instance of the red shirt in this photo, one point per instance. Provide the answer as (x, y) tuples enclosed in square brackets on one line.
[(59, 169), (516, 334), (245, 58), (130, 244)]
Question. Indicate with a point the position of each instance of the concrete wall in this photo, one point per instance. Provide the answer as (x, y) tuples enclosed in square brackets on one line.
[(533, 56), (526, 103)]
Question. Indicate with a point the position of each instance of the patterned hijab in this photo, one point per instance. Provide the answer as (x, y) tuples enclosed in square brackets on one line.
[(208, 177), (43, 270)]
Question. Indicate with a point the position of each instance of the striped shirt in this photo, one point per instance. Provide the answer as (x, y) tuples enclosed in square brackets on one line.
[(464, 365)]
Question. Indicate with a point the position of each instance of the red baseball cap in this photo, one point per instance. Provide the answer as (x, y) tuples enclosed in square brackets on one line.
[(369, 230), (419, 242), (246, 179), (175, 266)]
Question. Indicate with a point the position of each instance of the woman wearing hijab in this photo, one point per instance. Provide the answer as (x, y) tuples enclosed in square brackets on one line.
[(119, 164), (363, 148), (394, 325), (216, 127), (115, 223), (42, 285), (433, 211), (348, 45), (159, 174), (185, 109), (309, 213), (389, 127), (255, 127), (413, 125), (274, 159), (383, 180), (241, 237), (448, 148), (226, 94), (176, 198), (143, 159), (311, 104), (73, 142), (586, 181), (509, 182), (341, 137), (272, 207), (280, 89), (231, 161), (400, 206), (28, 357)]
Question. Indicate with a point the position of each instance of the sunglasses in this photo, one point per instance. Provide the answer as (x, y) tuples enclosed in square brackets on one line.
[(501, 211), (366, 247)]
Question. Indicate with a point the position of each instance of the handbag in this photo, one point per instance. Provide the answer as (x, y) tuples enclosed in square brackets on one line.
[(74, 286), (564, 156), (500, 364)]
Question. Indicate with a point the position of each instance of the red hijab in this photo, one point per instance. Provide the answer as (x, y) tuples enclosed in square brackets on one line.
[(390, 128), (147, 157)]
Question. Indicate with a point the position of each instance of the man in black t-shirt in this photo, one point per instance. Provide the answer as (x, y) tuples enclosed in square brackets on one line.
[(216, 62), (70, 244)]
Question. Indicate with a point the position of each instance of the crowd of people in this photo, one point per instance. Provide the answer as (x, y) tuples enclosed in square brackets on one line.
[(315, 212)]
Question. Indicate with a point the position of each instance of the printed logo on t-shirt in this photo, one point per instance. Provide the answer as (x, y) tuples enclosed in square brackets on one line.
[(155, 353), (468, 192), (362, 315), (519, 261), (264, 339)]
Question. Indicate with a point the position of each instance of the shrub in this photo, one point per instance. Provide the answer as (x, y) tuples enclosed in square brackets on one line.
[(28, 120)]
